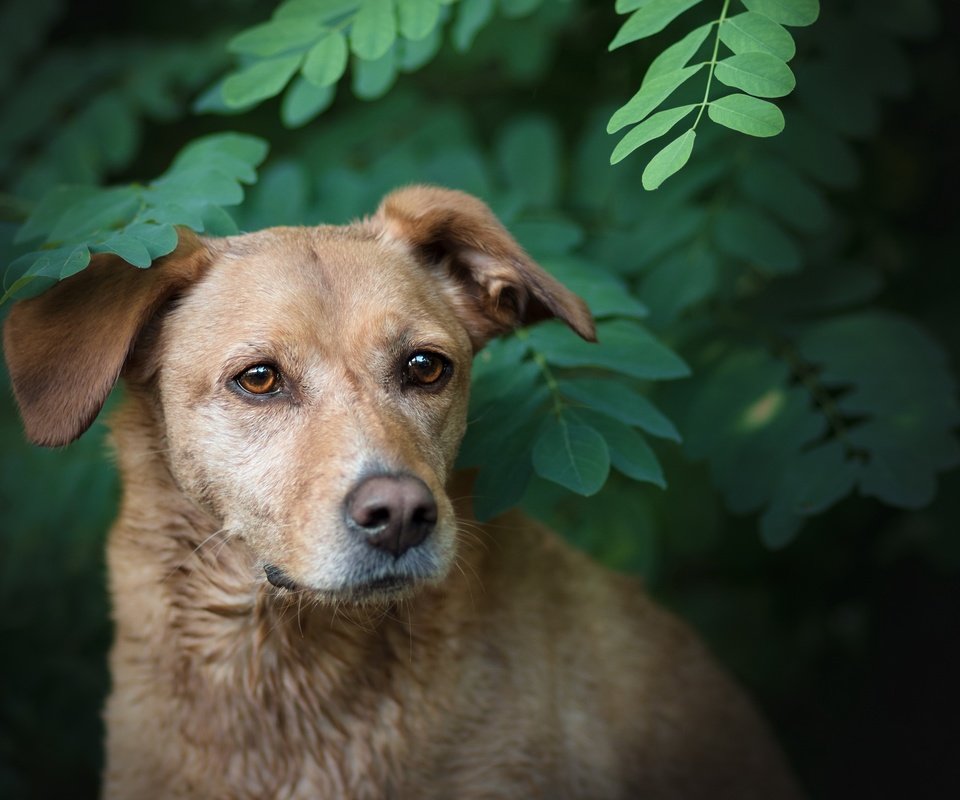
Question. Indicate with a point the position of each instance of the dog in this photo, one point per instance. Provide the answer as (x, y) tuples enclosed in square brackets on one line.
[(304, 606)]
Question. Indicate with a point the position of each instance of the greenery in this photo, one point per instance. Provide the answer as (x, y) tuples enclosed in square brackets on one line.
[(760, 432)]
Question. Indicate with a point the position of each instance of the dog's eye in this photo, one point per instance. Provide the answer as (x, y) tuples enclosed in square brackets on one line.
[(429, 370), (259, 379)]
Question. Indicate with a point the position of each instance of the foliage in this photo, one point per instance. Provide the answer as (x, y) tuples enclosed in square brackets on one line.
[(760, 47), (758, 352), (134, 222)]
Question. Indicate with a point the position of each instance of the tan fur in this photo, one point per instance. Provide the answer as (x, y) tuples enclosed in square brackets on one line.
[(509, 667)]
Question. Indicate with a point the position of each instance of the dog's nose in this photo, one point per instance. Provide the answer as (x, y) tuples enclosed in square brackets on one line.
[(392, 512)]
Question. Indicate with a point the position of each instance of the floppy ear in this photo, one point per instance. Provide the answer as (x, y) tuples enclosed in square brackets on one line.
[(65, 349), (497, 285)]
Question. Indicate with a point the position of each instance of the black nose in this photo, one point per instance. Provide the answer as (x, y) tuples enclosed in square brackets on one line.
[(392, 512)]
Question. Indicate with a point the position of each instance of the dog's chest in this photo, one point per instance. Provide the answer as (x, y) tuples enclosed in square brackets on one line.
[(299, 713)]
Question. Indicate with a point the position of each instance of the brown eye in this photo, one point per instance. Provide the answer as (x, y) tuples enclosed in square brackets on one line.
[(259, 379), (426, 369)]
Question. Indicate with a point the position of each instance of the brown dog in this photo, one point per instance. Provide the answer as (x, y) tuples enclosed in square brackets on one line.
[(304, 607)]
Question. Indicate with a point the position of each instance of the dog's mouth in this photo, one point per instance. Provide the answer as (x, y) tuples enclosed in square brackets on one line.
[(376, 588), (280, 579)]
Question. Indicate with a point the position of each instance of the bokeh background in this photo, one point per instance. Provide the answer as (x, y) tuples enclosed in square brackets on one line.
[(846, 631)]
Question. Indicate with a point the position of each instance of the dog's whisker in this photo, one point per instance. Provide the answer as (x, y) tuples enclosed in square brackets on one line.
[(195, 552)]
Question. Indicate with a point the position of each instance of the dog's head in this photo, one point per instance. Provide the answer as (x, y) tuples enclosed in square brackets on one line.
[(310, 384)]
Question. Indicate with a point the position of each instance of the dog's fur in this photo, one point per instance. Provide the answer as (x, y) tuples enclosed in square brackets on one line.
[(498, 664)]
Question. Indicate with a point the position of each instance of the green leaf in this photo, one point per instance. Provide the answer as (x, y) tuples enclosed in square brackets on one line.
[(547, 237), (50, 209), (754, 33), (624, 346), (786, 12), (327, 60), (572, 455), (629, 451), (275, 37), (824, 476), (684, 278), (812, 482), (500, 371), (280, 197), (27, 286), (750, 423), (76, 259), (323, 11), (108, 208), (746, 114), (616, 399), (217, 222), (748, 234), (59, 263), (775, 186), (158, 239), (651, 95), (260, 80), (417, 17), (529, 155), (373, 79), (678, 54), (303, 101), (651, 128), (759, 74), (909, 384), (195, 186), (414, 54), (501, 483), (660, 232), (669, 160), (234, 154), (374, 29), (129, 248), (211, 101), (779, 526), (507, 398), (897, 472), (605, 293), (652, 17), (171, 213), (471, 17)]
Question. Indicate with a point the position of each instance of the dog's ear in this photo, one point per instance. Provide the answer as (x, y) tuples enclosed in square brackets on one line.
[(497, 285), (65, 349)]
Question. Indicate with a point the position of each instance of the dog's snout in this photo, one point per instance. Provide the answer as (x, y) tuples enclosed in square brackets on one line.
[(392, 512)]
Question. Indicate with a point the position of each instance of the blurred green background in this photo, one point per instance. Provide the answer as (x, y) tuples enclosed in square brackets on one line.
[(846, 632)]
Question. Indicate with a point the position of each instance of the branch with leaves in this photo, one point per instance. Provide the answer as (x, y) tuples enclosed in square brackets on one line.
[(136, 223), (307, 45), (760, 47)]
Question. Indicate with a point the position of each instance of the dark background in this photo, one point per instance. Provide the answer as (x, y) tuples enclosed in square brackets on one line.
[(848, 636)]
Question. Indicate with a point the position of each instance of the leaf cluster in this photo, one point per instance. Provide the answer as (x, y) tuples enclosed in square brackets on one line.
[(744, 261), (305, 48), (136, 223), (759, 48)]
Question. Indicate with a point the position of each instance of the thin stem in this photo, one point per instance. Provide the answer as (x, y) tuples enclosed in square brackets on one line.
[(551, 381), (713, 63)]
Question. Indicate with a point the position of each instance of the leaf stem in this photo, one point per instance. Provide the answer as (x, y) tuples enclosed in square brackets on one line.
[(551, 381), (713, 63)]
